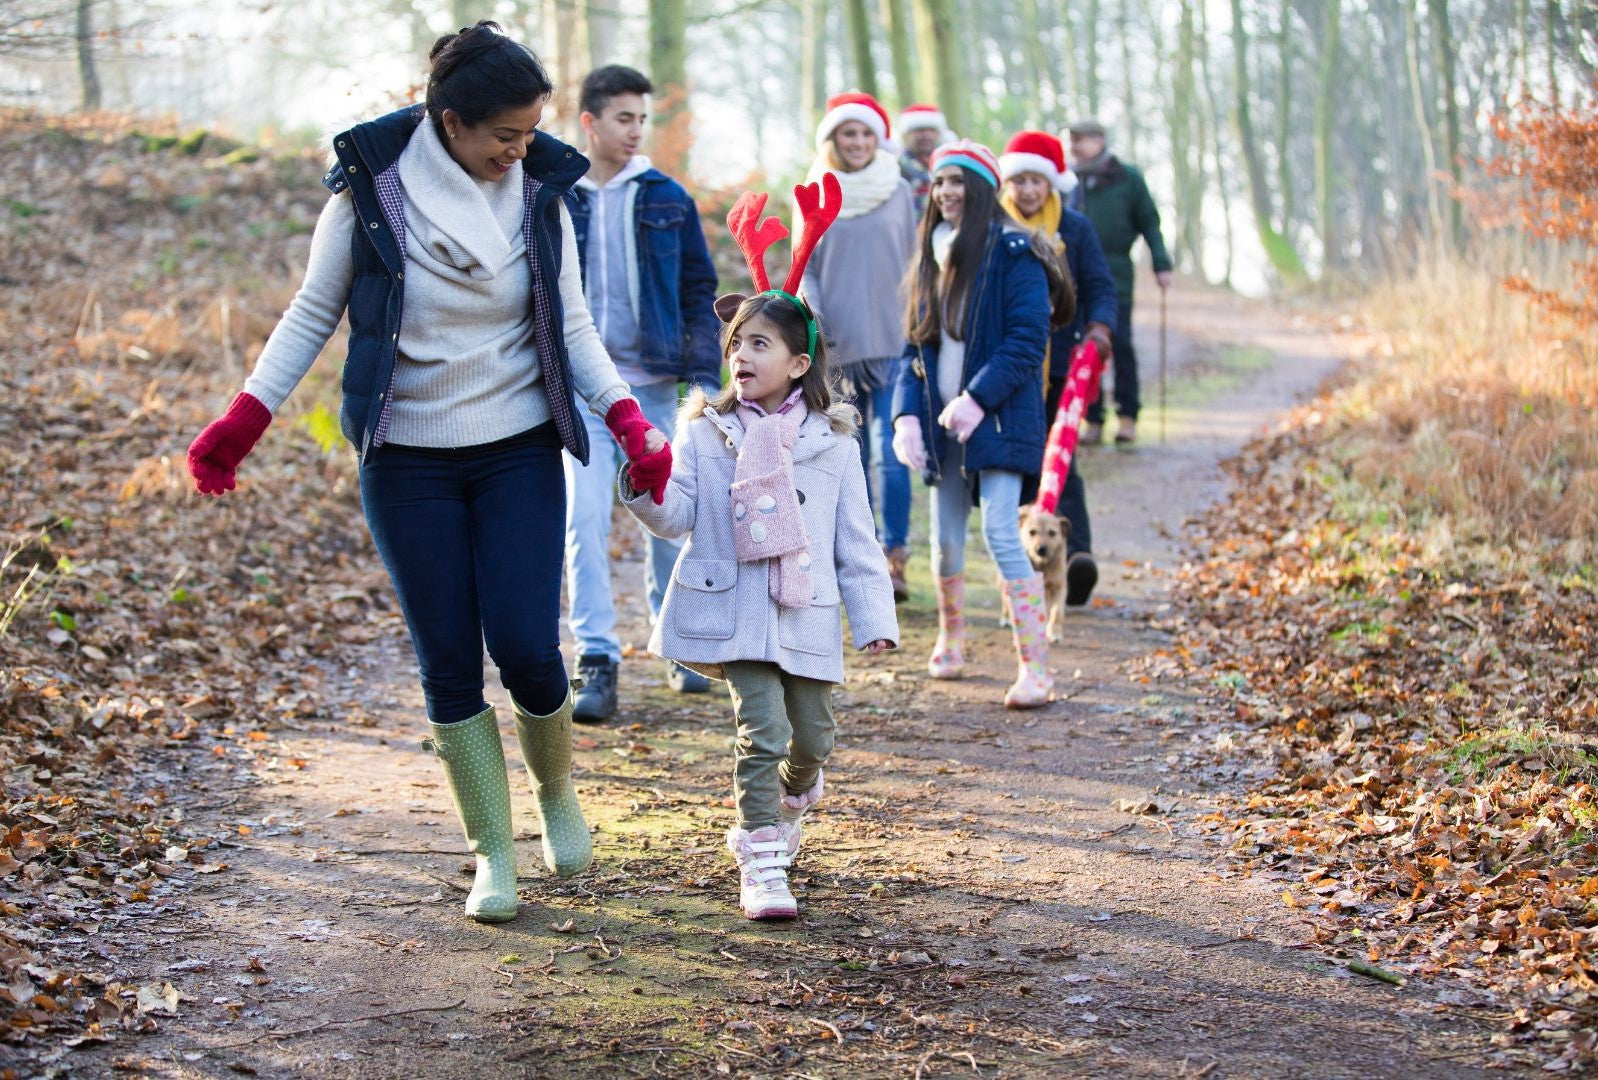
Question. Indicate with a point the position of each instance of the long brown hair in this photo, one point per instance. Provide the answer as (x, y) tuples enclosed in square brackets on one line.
[(780, 312), (937, 300)]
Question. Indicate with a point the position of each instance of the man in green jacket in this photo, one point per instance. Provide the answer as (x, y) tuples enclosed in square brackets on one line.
[(1115, 198)]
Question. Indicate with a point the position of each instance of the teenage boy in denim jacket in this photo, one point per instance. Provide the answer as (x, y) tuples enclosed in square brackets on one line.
[(650, 285)]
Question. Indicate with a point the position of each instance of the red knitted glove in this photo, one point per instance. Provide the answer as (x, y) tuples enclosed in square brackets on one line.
[(649, 472), (215, 455)]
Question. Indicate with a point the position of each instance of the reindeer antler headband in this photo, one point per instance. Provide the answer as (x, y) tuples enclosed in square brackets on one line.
[(818, 209)]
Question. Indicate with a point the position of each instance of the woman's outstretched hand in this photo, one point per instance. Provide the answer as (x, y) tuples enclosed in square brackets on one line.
[(648, 452), (215, 455)]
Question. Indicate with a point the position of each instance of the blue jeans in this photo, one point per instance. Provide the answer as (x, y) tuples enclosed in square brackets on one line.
[(1001, 517), (474, 553), (1127, 401), (891, 496), (588, 513)]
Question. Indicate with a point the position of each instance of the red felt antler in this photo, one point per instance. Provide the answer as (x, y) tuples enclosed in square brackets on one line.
[(753, 235), (818, 214)]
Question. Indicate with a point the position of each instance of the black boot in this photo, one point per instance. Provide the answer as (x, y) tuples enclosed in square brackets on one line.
[(1081, 574), (596, 701)]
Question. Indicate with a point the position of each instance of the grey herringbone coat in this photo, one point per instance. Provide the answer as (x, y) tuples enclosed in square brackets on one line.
[(717, 610)]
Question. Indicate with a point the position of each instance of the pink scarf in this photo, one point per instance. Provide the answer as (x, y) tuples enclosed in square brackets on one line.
[(766, 520)]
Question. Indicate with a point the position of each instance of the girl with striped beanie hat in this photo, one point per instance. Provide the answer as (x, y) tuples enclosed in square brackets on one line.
[(968, 405)]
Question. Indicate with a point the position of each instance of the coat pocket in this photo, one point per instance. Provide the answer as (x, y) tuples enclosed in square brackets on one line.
[(814, 629), (704, 604)]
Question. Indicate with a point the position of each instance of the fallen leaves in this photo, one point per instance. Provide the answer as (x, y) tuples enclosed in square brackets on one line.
[(1433, 720)]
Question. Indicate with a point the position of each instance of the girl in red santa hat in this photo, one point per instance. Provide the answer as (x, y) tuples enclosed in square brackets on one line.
[(852, 281), (968, 407)]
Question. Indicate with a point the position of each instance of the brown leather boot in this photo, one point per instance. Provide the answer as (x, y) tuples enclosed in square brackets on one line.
[(896, 559)]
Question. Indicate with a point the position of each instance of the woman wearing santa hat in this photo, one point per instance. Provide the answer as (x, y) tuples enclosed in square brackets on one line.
[(1035, 181), (852, 283)]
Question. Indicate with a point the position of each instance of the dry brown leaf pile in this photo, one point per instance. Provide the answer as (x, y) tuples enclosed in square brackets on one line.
[(1434, 721)]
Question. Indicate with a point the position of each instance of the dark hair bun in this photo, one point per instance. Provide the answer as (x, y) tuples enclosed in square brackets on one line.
[(479, 72)]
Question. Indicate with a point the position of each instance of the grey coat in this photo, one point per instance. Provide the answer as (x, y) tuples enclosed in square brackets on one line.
[(853, 281), (717, 610)]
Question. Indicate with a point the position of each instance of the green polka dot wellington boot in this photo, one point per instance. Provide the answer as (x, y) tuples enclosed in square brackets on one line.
[(474, 766), (547, 749)]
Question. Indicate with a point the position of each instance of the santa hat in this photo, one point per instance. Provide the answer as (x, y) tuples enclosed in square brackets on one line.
[(973, 155), (846, 107), (1036, 152), (922, 116)]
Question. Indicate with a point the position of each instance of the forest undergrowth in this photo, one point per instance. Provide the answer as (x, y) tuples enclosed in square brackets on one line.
[(1400, 603), (142, 630)]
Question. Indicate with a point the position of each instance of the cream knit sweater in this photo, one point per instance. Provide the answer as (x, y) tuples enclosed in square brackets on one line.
[(468, 371)]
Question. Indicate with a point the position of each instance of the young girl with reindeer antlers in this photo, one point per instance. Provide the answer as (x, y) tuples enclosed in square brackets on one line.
[(769, 489)]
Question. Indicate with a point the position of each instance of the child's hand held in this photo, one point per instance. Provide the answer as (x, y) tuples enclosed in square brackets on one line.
[(881, 645)]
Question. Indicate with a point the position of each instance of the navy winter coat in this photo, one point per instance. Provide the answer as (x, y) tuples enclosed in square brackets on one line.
[(1095, 289), (1006, 326), (368, 155), (679, 334)]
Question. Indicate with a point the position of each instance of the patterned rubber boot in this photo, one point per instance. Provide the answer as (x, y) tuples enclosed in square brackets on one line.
[(1033, 683), (474, 768), (948, 653), (547, 750), (762, 856), (791, 811)]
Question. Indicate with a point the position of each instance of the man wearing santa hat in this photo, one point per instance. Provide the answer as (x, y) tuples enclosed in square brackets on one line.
[(922, 129), (1036, 182)]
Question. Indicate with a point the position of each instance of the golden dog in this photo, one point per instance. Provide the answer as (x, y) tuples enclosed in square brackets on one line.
[(1043, 536)]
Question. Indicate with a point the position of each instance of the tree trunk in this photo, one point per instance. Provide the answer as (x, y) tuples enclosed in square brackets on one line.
[(1326, 88), (1284, 118), (896, 18), (559, 27), (1551, 8), (812, 62), (1037, 62), (1443, 48), (942, 57), (865, 69), (1278, 249), (1090, 39), (1181, 121), (88, 75), (1124, 27), (668, 69), (1417, 93)]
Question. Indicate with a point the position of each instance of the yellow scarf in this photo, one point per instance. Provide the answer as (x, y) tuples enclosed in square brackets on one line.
[(1047, 222)]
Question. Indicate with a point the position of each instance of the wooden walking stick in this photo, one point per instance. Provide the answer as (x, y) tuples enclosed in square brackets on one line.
[(1162, 366)]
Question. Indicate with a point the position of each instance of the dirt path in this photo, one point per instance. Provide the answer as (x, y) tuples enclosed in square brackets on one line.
[(978, 897)]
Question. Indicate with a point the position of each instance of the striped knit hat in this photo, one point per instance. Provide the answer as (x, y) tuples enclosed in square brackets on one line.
[(972, 155)]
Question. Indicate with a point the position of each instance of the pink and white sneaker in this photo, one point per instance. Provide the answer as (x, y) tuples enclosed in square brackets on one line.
[(762, 856), (792, 808)]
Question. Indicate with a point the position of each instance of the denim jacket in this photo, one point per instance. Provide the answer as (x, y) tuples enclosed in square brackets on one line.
[(679, 332)]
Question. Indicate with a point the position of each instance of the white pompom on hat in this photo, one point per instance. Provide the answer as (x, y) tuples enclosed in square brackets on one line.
[(1036, 152), (843, 108), (922, 116)]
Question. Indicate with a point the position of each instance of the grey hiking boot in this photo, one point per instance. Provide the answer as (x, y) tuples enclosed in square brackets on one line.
[(685, 681), (595, 702)]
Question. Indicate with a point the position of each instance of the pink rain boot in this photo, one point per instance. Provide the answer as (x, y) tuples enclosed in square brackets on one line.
[(792, 809), (948, 654), (762, 856), (1033, 683)]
